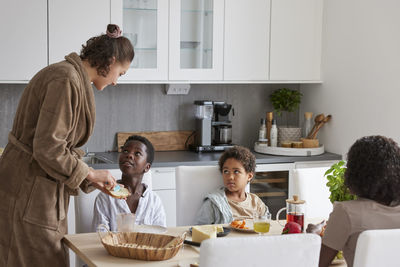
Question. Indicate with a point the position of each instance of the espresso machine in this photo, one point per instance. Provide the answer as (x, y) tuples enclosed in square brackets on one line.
[(213, 127)]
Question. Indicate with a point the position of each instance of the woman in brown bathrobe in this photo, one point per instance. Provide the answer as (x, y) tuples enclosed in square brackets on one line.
[(40, 166)]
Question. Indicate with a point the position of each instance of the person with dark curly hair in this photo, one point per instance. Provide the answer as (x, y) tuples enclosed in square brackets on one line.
[(41, 165), (373, 175), (232, 202)]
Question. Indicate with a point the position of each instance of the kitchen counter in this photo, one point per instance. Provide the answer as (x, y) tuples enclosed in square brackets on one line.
[(190, 158)]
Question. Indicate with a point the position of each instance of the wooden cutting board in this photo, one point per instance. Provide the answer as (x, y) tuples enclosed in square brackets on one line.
[(162, 141)]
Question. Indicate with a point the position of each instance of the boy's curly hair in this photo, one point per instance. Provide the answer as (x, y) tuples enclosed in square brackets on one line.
[(241, 154), (373, 169)]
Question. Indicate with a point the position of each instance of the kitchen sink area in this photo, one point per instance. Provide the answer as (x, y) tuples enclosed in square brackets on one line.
[(96, 159)]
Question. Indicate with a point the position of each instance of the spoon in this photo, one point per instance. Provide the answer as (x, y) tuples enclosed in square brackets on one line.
[(318, 119), (326, 119)]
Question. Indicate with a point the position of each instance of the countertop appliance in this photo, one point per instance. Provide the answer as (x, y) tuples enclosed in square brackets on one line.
[(213, 127)]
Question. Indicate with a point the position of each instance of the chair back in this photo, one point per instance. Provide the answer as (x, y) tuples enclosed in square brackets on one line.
[(377, 248), (261, 251), (192, 185), (310, 185)]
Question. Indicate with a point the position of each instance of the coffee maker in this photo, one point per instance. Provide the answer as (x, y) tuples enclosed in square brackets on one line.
[(213, 127)]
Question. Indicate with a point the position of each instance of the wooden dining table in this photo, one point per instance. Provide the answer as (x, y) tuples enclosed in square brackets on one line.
[(89, 248)]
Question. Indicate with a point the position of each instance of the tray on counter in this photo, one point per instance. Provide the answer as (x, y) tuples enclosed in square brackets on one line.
[(287, 151)]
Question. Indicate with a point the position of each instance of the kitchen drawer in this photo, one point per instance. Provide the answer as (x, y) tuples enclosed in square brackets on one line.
[(163, 178)]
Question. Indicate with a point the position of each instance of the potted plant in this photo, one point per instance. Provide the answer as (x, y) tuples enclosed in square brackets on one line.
[(339, 191), (285, 101), (335, 176)]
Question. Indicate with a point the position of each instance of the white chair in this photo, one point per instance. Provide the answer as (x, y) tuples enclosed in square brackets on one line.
[(261, 251), (377, 248), (310, 185), (192, 185)]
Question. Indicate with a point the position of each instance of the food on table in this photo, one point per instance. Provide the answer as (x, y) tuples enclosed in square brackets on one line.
[(318, 229), (291, 228), (220, 229), (202, 232), (240, 224), (119, 191)]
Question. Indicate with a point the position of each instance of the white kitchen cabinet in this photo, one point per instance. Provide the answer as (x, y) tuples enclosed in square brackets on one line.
[(295, 45), (196, 40), (72, 23), (246, 44), (23, 27), (145, 24), (163, 182)]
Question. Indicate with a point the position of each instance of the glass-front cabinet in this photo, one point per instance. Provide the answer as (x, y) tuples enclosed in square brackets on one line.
[(196, 39), (145, 24)]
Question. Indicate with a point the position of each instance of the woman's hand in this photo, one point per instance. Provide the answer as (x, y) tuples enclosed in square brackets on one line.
[(101, 179)]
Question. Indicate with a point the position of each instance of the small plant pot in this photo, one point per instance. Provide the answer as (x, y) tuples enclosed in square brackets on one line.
[(288, 134), (310, 143)]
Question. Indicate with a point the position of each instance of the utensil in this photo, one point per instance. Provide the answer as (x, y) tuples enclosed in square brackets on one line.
[(326, 119), (317, 120)]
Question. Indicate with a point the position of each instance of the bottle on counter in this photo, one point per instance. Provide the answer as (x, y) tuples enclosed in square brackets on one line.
[(307, 123), (270, 116), (274, 134), (262, 132)]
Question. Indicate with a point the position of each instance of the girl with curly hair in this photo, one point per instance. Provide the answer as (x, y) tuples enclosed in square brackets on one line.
[(232, 202), (373, 175)]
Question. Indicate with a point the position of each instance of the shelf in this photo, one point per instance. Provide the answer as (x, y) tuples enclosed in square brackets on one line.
[(270, 180), (140, 9), (206, 12), (271, 194), (145, 49)]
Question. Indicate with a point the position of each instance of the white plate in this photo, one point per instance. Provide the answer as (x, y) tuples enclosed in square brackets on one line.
[(152, 229), (249, 224)]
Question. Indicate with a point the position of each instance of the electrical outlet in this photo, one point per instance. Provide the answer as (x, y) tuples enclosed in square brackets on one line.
[(177, 89)]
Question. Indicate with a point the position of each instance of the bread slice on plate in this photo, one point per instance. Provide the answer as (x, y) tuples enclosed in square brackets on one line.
[(119, 192)]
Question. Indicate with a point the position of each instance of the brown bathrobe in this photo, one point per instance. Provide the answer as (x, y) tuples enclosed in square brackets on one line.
[(40, 166)]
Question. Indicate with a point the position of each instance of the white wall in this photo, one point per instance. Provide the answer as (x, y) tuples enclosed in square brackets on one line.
[(361, 71)]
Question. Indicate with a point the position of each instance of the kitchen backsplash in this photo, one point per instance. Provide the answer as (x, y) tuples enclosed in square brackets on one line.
[(146, 107)]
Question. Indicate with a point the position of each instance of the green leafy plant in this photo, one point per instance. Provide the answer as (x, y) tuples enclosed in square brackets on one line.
[(285, 99), (335, 176)]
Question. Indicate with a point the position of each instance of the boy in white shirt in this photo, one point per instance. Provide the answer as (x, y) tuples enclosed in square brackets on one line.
[(134, 161)]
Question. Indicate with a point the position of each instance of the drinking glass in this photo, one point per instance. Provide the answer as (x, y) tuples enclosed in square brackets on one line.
[(125, 222), (262, 223)]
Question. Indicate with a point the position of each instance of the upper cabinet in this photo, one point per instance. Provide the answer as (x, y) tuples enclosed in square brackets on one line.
[(175, 41), (196, 39), (145, 24), (23, 27), (71, 25), (246, 49), (295, 47)]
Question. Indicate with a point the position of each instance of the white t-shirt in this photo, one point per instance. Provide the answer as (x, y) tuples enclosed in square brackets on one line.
[(150, 210)]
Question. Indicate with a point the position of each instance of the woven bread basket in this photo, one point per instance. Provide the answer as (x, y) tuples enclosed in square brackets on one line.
[(141, 246)]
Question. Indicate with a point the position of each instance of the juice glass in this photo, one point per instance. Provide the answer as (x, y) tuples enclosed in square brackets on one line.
[(262, 223), (126, 222)]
